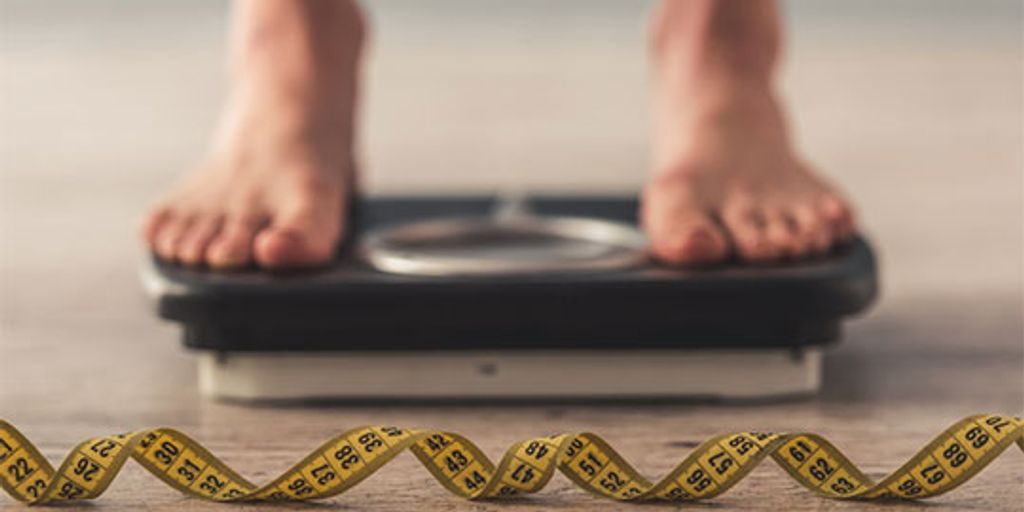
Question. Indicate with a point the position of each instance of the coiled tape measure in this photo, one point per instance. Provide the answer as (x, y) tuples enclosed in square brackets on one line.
[(952, 458)]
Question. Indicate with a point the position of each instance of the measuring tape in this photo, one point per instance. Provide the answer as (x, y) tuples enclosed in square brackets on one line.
[(952, 458)]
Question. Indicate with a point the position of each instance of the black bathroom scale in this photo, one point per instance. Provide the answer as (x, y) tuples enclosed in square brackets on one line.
[(475, 297)]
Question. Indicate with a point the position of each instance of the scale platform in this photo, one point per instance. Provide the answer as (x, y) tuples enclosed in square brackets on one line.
[(389, 325)]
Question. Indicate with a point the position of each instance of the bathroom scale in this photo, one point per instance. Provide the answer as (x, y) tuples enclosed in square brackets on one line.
[(538, 297)]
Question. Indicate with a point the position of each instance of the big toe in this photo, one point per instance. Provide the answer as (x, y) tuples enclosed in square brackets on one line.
[(680, 231), (696, 241), (278, 247)]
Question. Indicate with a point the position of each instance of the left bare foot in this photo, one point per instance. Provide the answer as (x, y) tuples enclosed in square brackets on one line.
[(274, 191)]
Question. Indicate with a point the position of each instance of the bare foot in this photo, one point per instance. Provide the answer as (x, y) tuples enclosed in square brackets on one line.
[(727, 180), (274, 189), (737, 188)]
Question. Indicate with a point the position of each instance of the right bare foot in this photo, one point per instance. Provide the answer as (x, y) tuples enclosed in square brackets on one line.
[(275, 188), (728, 180)]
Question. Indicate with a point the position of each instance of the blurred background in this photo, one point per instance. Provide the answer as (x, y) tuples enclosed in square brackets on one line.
[(913, 106)]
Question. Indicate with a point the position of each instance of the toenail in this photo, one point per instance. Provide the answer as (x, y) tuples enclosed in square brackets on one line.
[(227, 259)]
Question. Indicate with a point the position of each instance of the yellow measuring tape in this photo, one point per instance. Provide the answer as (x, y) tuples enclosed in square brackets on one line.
[(951, 459)]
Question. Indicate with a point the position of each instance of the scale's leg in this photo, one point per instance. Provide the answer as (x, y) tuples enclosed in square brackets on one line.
[(756, 373)]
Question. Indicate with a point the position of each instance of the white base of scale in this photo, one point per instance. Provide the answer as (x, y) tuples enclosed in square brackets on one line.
[(576, 374)]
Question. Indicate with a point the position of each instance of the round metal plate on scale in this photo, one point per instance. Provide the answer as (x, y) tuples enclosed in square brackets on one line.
[(511, 244)]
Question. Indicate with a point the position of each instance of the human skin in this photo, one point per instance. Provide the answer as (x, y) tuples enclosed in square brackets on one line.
[(274, 188)]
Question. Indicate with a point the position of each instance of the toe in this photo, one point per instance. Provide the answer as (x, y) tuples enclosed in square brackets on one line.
[(692, 241), (232, 247), (781, 235), (747, 229), (151, 224), (302, 240), (812, 230), (193, 244), (680, 230), (838, 215), (280, 247), (168, 238)]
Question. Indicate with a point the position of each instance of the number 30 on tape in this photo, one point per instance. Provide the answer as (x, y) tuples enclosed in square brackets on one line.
[(952, 458)]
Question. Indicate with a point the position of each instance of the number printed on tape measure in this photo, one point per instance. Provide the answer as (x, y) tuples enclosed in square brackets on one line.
[(947, 461)]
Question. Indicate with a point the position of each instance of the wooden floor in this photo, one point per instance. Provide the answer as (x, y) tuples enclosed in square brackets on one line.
[(917, 116)]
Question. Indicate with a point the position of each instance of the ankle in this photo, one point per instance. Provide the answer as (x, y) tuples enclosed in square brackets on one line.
[(302, 59), (299, 108), (738, 37), (711, 107), (296, 35)]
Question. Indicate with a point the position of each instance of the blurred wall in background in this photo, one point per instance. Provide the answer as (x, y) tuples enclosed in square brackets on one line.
[(913, 106)]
